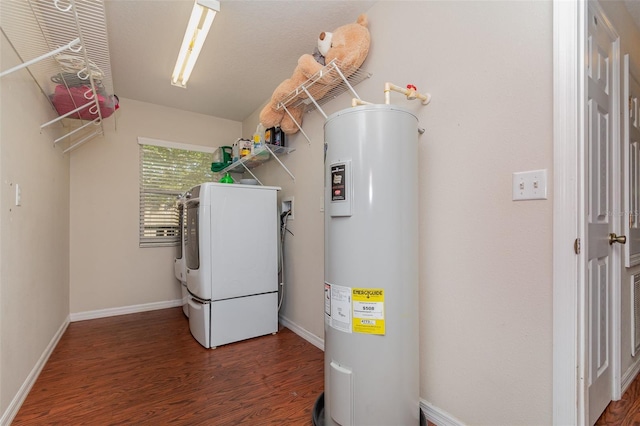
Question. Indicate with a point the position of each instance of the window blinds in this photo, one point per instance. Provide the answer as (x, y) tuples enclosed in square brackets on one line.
[(166, 172)]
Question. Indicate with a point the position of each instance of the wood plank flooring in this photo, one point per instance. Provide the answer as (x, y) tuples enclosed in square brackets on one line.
[(626, 411), (146, 369)]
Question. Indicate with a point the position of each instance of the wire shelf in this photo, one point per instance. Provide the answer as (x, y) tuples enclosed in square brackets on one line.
[(63, 45), (324, 86)]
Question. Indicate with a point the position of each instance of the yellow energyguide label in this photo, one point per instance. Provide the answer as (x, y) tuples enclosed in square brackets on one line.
[(368, 310)]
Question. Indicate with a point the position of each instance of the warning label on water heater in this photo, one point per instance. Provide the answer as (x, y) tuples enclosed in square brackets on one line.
[(337, 307), (368, 310)]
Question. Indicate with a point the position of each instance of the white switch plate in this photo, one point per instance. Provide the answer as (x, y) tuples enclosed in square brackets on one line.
[(531, 185), (18, 195)]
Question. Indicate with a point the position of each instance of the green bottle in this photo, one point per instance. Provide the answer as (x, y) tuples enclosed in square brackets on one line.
[(227, 178)]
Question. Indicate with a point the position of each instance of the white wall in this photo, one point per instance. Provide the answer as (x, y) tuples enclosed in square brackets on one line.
[(486, 261), (108, 269), (34, 243)]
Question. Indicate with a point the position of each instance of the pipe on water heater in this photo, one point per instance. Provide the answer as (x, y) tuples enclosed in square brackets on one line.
[(411, 92)]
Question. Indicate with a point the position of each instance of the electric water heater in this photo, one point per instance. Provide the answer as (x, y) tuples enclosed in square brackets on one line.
[(371, 267)]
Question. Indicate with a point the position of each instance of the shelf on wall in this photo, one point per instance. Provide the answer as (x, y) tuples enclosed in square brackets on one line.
[(325, 85), (258, 158), (63, 45)]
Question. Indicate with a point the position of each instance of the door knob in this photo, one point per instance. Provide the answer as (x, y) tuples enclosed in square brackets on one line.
[(613, 238)]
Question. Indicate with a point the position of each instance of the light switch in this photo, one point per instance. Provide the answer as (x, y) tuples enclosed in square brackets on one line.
[(18, 195), (531, 185)]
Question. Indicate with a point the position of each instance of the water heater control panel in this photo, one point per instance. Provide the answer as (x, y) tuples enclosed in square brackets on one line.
[(341, 197)]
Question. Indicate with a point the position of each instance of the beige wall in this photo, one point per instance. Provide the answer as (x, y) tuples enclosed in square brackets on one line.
[(486, 261), (34, 243), (108, 269), (486, 273), (304, 250)]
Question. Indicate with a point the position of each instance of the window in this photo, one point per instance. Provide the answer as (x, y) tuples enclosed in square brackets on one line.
[(167, 170)]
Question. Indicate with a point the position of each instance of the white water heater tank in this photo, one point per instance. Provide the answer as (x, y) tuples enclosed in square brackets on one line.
[(371, 267)]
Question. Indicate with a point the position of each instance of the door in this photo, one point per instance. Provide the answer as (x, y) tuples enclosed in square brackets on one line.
[(630, 273), (602, 270), (631, 146)]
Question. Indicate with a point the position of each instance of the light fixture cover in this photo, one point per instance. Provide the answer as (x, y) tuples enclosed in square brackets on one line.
[(202, 15)]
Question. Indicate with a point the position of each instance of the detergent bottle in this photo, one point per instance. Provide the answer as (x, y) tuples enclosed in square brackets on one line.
[(258, 139)]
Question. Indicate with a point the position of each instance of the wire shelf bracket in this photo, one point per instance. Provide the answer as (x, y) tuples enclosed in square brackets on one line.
[(325, 85)]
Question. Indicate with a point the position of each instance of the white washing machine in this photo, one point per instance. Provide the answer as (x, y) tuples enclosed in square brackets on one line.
[(231, 251)]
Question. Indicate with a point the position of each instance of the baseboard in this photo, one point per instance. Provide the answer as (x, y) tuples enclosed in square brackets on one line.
[(432, 413), (629, 376), (18, 399), (132, 309), (438, 416), (306, 335)]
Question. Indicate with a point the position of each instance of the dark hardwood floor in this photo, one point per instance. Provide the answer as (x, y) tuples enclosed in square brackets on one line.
[(626, 411), (146, 369)]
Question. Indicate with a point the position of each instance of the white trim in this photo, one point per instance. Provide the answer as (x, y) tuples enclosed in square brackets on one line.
[(305, 334), (124, 310), (176, 145), (618, 252), (438, 416), (21, 395), (568, 124), (630, 375), (570, 390), (632, 310)]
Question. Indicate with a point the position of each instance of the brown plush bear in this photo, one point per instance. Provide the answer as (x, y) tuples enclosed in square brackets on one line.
[(349, 47)]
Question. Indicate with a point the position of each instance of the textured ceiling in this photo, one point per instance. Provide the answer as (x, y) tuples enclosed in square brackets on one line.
[(253, 45)]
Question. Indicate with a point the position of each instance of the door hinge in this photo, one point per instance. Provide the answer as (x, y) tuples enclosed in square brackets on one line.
[(576, 246)]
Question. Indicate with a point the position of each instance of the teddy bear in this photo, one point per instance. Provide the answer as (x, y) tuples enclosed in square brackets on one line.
[(348, 45)]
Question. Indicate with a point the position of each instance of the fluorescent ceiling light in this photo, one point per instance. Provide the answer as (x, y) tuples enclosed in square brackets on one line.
[(201, 19)]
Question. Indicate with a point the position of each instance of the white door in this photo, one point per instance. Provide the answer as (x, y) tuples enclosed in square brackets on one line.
[(630, 273), (632, 165), (601, 273)]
